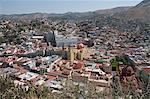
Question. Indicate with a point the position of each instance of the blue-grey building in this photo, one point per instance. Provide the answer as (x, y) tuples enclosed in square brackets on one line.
[(60, 40)]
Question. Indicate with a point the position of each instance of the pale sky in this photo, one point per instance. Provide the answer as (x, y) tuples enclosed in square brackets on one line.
[(60, 6)]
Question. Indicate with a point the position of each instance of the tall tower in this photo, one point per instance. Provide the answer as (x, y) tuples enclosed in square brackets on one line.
[(64, 52), (80, 55), (71, 54), (50, 37)]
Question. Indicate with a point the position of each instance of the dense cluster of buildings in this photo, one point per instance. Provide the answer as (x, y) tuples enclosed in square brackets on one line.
[(70, 52)]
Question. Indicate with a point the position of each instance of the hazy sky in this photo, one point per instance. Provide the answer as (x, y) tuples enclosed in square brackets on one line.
[(60, 6)]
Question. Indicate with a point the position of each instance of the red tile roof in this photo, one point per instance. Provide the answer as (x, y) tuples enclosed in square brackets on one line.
[(147, 70), (78, 65)]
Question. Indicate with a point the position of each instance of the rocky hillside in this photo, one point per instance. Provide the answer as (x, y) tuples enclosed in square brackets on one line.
[(139, 12), (144, 3), (113, 10)]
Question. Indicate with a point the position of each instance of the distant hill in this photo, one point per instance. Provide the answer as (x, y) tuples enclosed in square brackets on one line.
[(31, 16), (24, 16), (139, 12), (69, 15)]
